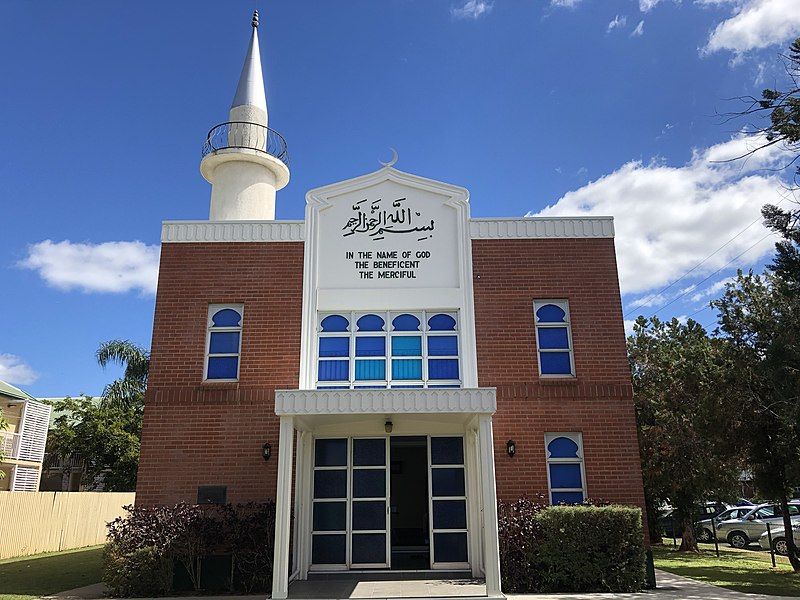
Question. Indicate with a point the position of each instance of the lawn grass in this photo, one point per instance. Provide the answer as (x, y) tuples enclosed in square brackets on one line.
[(39, 575), (741, 571)]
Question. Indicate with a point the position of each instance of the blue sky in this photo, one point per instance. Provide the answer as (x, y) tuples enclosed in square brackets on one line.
[(552, 106)]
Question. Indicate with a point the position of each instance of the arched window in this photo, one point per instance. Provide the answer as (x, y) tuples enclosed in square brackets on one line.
[(224, 342), (405, 322), (553, 338), (565, 469), (334, 349)]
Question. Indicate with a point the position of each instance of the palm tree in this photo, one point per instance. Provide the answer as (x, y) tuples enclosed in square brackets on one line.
[(128, 390)]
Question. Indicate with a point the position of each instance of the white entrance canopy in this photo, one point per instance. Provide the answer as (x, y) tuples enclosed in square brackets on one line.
[(465, 411)]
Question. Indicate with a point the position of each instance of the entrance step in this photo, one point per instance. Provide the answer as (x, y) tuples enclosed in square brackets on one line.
[(387, 575)]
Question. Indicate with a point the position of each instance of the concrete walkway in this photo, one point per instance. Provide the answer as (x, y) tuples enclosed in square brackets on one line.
[(670, 587)]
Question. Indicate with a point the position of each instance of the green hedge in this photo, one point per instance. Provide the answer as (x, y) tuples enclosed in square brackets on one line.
[(571, 548)]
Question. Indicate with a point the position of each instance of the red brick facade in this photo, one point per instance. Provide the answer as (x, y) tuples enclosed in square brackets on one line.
[(211, 434)]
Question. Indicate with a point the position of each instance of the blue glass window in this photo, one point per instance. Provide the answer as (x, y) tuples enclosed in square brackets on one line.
[(566, 498), (333, 370), (565, 476), (334, 346), (370, 370), (407, 369), (555, 363), (442, 323), (370, 323), (550, 313), (334, 323), (446, 368), (370, 346), (227, 317), (443, 345), (224, 339), (562, 447), (223, 367), (362, 343), (565, 468), (406, 323), (407, 345), (554, 345), (553, 338), (224, 342)]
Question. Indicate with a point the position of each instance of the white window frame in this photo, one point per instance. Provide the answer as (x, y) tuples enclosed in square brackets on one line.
[(424, 332), (563, 305), (576, 437), (212, 310)]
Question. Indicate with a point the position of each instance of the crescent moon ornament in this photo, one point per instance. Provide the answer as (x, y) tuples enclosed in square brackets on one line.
[(393, 160)]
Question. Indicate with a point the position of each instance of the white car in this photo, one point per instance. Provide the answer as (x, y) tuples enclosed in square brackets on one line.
[(747, 529), (779, 542)]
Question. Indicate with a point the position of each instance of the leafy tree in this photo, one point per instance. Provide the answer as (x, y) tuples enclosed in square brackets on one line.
[(760, 317), (105, 437), (685, 416), (129, 389), (780, 109)]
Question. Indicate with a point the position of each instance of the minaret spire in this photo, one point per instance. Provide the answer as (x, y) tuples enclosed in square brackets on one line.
[(243, 159), (250, 102)]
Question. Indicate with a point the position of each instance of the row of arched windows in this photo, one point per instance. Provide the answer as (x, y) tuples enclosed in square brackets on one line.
[(379, 350)]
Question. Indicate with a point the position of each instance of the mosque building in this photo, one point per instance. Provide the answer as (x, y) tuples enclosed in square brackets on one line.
[(386, 369)]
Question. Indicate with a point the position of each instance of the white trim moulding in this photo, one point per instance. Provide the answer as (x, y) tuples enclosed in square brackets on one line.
[(232, 231), (391, 401), (542, 227), (479, 229)]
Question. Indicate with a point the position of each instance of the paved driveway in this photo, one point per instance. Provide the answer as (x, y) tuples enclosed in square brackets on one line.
[(670, 587)]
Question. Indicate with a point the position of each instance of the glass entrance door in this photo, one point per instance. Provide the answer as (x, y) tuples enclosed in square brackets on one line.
[(369, 546), (448, 503)]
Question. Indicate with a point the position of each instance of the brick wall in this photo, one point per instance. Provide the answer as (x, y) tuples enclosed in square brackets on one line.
[(211, 434), (508, 276)]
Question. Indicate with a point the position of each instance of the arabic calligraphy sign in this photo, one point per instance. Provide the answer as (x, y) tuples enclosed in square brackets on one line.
[(376, 222), (388, 236)]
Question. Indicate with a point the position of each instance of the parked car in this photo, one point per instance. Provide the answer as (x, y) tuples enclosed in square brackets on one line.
[(740, 532), (668, 518), (704, 530), (779, 539)]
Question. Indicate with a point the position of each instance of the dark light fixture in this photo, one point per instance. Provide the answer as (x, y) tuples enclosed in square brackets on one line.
[(511, 448), (388, 426), (266, 450)]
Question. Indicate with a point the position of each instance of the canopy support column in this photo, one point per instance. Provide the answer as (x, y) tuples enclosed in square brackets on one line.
[(283, 510)]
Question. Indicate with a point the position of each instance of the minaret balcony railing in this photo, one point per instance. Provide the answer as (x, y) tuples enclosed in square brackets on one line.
[(244, 135)]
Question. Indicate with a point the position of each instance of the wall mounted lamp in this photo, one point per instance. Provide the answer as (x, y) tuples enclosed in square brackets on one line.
[(266, 450), (511, 448), (388, 426)]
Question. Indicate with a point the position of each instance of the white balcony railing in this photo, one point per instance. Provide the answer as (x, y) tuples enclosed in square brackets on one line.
[(9, 444)]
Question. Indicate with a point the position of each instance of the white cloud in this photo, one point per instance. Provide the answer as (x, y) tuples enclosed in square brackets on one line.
[(565, 3), (472, 9), (108, 267), (617, 22), (713, 289), (754, 24), (648, 5), (14, 370), (639, 30), (669, 218)]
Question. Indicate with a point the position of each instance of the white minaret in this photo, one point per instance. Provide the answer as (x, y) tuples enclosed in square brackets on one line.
[(244, 160)]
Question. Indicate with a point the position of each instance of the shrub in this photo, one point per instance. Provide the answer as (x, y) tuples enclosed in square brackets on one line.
[(191, 537), (144, 571), (570, 548)]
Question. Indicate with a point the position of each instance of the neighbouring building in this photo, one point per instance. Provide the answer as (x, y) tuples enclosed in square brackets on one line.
[(399, 364), (23, 439)]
